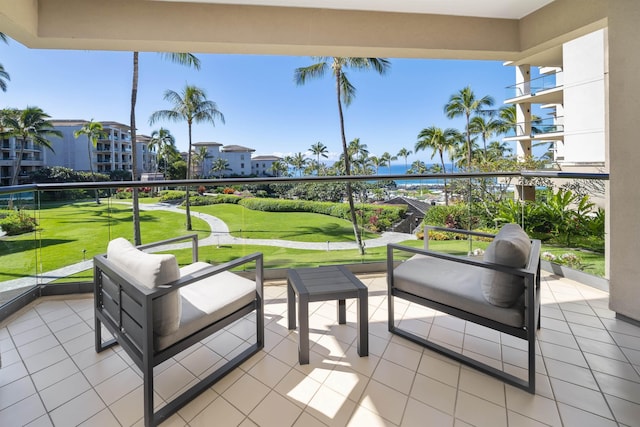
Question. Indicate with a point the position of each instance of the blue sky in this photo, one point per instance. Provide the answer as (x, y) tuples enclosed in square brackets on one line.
[(263, 107)]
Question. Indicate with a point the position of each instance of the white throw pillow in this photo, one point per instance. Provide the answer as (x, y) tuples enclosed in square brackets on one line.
[(511, 248), (152, 270)]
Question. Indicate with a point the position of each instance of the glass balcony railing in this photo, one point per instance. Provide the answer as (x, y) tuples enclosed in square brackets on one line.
[(533, 86), (294, 222), (538, 127)]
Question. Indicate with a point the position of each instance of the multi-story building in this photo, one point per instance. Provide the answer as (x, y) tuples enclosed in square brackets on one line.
[(239, 161), (261, 165), (112, 152), (560, 102)]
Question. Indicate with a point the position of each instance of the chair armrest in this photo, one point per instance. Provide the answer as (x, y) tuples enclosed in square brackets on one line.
[(192, 237)]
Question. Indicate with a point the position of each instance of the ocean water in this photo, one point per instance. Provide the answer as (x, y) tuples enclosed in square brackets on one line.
[(400, 169)]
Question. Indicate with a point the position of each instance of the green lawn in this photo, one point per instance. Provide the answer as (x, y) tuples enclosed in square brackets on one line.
[(65, 230), (296, 226)]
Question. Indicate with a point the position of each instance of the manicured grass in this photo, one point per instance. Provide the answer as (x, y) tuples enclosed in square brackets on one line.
[(65, 230), (274, 257), (297, 226)]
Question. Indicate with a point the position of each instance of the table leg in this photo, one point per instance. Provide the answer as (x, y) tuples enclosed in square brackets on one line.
[(303, 333), (363, 323), (342, 312), (291, 306)]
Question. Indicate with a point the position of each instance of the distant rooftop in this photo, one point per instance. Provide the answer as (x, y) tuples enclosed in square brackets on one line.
[(266, 157), (207, 144), (237, 148)]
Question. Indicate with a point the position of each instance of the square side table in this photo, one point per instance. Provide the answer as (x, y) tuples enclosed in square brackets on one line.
[(324, 284)]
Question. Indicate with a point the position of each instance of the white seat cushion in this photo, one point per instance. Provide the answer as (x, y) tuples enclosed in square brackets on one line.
[(207, 301), (152, 271)]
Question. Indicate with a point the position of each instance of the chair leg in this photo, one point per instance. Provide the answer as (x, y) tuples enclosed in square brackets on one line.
[(148, 396)]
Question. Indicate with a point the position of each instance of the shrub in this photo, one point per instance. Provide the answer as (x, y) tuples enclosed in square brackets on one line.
[(214, 200), (14, 223), (170, 195)]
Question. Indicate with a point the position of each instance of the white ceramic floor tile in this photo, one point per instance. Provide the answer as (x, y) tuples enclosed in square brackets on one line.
[(574, 417), (64, 391), (219, 410), (275, 411), (22, 412), (395, 376), (16, 391), (480, 412), (417, 413), (246, 393), (482, 385), (434, 393), (330, 407), (625, 412), (78, 410), (580, 397)]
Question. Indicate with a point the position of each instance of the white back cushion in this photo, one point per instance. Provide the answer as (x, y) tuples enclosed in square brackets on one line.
[(152, 270), (511, 248)]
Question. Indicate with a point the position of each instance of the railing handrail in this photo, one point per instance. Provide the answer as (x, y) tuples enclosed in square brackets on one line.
[(288, 180)]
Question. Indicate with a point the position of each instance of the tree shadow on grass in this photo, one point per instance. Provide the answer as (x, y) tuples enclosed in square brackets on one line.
[(8, 247), (332, 232)]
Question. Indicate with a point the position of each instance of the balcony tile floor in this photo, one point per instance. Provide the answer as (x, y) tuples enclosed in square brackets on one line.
[(588, 369)]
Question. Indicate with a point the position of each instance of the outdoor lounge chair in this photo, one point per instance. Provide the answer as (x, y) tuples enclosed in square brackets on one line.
[(155, 310)]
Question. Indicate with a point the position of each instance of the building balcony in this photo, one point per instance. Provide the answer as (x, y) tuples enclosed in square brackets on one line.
[(588, 368), (545, 89)]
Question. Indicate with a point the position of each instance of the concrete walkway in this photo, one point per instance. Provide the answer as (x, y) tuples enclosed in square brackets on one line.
[(220, 235)]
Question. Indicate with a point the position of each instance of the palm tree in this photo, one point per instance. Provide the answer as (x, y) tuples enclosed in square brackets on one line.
[(178, 58), (279, 168), (464, 103), (376, 162), (298, 161), (358, 151), (199, 157), (497, 150), (485, 128), (3, 74), (220, 165), (93, 131), (30, 124), (345, 93), (386, 159), (319, 149), (439, 141), (191, 106), (418, 167), (405, 153), (165, 144)]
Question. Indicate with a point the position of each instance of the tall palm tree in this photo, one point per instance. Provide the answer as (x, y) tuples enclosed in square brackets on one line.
[(199, 158), (464, 103), (439, 141), (345, 93), (376, 162), (497, 150), (405, 153), (418, 167), (4, 76), (485, 128), (386, 159), (31, 124), (298, 161), (178, 58), (279, 168), (220, 165), (358, 151), (93, 131), (191, 106), (165, 144), (319, 149)]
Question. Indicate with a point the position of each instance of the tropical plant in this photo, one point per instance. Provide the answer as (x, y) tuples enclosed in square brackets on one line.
[(191, 106), (319, 149), (386, 159), (279, 168), (405, 154), (376, 162), (93, 131), (464, 103), (4, 76), (220, 165), (31, 124), (165, 144), (200, 157), (358, 151), (485, 128), (345, 93), (418, 167), (439, 141), (178, 58), (298, 161)]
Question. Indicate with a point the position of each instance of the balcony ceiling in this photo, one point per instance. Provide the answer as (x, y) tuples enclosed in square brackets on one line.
[(505, 30), (504, 9)]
